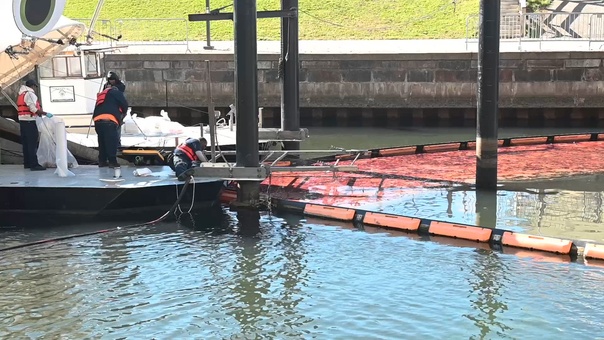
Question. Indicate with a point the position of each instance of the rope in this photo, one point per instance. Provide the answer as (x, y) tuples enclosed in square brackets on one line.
[(268, 194), (192, 200), (68, 237), (188, 212)]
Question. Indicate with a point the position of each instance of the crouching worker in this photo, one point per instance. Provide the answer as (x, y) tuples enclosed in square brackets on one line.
[(107, 118), (186, 153)]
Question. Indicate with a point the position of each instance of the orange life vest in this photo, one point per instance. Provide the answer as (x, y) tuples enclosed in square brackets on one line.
[(106, 116), (22, 108), (188, 151), (100, 98)]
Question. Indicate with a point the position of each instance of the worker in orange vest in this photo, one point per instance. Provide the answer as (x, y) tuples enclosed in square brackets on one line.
[(28, 107), (107, 117), (114, 80), (186, 153)]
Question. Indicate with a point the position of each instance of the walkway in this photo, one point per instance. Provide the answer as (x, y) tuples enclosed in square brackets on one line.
[(366, 46)]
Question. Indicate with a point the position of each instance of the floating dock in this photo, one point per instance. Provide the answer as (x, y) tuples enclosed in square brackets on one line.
[(93, 193)]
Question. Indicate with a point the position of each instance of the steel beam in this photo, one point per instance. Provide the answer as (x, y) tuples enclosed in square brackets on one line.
[(230, 16), (298, 152), (488, 96), (225, 172), (246, 83), (289, 69), (281, 135), (208, 35)]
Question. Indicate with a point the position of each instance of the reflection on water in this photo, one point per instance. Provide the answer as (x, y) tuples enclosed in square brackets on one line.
[(292, 279), (486, 287)]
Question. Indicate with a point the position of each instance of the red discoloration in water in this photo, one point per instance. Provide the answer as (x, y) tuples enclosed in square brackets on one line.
[(396, 175)]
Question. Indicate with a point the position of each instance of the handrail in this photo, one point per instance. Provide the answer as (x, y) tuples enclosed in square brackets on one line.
[(545, 26), (527, 27)]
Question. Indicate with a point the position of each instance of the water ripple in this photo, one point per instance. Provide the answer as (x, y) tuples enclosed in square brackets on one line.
[(294, 279)]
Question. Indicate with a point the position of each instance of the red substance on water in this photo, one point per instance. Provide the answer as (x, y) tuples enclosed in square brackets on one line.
[(388, 177)]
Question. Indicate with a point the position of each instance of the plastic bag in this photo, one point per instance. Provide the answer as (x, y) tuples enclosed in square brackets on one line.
[(172, 128), (47, 155)]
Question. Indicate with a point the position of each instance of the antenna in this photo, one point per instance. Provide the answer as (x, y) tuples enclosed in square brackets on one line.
[(95, 16)]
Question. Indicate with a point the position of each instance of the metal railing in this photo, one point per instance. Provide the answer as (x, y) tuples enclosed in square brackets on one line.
[(530, 27), (549, 26), (136, 31)]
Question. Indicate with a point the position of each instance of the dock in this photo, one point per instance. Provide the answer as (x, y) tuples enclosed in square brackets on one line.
[(94, 193)]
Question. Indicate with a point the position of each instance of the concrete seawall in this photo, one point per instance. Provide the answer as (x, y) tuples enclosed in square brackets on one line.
[(346, 86)]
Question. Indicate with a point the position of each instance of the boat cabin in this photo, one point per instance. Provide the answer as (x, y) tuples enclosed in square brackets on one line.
[(69, 83)]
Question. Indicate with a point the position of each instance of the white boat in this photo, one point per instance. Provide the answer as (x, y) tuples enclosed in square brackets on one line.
[(72, 73)]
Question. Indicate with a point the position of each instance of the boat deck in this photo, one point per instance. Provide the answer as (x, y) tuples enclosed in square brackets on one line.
[(89, 176)]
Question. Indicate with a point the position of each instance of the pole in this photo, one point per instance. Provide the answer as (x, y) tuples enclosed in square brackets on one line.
[(246, 94), (208, 38), (488, 96), (290, 91), (211, 116), (37, 75)]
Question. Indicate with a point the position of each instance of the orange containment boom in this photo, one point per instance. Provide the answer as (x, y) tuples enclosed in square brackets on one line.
[(495, 238), (471, 145)]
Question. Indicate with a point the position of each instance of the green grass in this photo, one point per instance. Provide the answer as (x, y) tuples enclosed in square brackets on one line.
[(319, 19)]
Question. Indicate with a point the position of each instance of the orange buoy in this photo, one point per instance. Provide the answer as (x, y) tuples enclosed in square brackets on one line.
[(529, 141), (479, 234), (336, 213), (442, 147), (391, 221), (409, 150), (572, 138), (548, 244), (594, 251)]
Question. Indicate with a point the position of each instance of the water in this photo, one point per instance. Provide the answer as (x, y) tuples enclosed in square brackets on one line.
[(568, 208), (223, 276), (295, 279), (367, 138)]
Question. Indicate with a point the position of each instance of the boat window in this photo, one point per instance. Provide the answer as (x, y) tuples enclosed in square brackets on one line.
[(59, 65), (91, 67), (46, 69), (102, 63), (75, 66)]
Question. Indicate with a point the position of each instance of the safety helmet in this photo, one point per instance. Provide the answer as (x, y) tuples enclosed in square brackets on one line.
[(112, 76)]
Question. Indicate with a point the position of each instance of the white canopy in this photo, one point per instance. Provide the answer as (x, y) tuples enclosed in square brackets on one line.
[(19, 65)]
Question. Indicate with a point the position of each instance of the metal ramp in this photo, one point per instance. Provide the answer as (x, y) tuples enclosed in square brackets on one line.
[(271, 134), (229, 172)]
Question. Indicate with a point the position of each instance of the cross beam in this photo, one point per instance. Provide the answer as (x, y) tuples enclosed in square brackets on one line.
[(229, 16)]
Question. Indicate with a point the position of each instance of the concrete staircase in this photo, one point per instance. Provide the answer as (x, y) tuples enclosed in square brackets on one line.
[(511, 21)]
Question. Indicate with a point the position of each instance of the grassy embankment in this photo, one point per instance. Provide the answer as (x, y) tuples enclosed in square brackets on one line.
[(319, 19)]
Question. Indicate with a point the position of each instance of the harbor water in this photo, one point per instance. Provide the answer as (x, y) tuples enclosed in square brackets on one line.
[(224, 276)]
